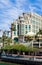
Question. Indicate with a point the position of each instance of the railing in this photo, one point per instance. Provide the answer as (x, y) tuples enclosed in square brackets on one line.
[(37, 59)]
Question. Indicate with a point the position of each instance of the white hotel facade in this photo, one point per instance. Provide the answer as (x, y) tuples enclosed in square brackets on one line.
[(26, 24)]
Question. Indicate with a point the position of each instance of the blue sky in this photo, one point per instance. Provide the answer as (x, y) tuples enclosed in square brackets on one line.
[(11, 9)]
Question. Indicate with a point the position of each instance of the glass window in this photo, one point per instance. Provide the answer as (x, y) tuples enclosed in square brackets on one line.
[(14, 32), (29, 28), (26, 26), (26, 32), (33, 30), (33, 17), (14, 27)]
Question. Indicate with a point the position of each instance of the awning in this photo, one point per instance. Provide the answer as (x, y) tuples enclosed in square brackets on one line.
[(30, 34)]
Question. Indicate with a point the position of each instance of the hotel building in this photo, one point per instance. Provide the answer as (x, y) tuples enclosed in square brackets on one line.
[(26, 24)]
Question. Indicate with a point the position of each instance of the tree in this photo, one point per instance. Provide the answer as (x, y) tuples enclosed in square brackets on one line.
[(19, 48), (8, 40), (12, 27), (40, 32), (29, 38), (3, 37)]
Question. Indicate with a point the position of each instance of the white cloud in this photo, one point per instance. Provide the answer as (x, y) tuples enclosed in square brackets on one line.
[(5, 2), (10, 11)]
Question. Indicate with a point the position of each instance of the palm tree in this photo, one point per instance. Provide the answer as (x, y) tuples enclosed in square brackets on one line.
[(12, 31), (12, 27), (6, 39), (9, 40), (3, 37), (38, 35), (40, 32)]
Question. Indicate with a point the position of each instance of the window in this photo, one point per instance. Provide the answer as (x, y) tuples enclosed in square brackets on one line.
[(33, 17), (18, 29), (14, 27), (14, 32), (29, 26), (26, 26), (26, 32)]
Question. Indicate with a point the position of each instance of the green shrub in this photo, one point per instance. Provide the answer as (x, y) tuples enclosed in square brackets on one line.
[(19, 47)]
